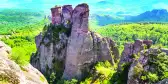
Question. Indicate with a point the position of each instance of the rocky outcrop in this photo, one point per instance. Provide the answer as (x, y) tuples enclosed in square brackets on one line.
[(142, 60), (143, 64), (11, 73), (133, 49), (69, 46), (4, 50)]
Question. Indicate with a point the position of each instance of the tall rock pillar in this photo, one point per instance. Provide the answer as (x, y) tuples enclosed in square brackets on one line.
[(78, 34)]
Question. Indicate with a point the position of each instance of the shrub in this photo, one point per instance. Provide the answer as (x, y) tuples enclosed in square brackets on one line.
[(138, 69), (52, 78), (152, 77)]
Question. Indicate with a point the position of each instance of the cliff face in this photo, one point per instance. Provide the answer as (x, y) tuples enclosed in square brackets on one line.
[(11, 73), (67, 45)]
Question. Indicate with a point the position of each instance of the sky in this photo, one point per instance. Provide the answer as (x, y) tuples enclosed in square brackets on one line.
[(107, 7)]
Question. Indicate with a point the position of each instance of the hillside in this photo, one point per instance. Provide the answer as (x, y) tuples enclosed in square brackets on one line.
[(12, 20), (18, 29), (122, 33), (156, 15)]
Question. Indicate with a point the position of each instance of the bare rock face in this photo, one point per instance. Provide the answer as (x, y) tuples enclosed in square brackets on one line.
[(13, 74), (56, 15), (69, 49), (67, 15), (4, 49), (133, 49), (79, 37)]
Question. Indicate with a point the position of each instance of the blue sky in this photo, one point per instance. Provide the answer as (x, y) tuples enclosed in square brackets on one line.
[(110, 7)]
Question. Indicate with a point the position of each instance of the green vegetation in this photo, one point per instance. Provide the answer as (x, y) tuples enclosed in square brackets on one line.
[(23, 43), (101, 74), (55, 31), (158, 69), (123, 33), (13, 21), (42, 78), (18, 30)]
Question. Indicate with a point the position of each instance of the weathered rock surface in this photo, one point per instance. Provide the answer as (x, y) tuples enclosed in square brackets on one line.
[(67, 15), (4, 49), (75, 52), (13, 74), (142, 65), (56, 15), (165, 81), (133, 49), (138, 54)]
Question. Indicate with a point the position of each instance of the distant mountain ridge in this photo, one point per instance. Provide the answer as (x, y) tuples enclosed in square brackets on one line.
[(156, 15), (105, 19)]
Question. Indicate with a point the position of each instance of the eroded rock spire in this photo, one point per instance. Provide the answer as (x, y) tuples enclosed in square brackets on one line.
[(73, 54), (77, 39)]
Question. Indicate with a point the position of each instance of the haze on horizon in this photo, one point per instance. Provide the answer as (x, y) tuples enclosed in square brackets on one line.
[(105, 7)]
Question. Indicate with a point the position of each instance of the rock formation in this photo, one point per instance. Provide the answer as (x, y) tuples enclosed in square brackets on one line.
[(69, 46), (142, 64), (133, 49), (4, 49), (67, 15), (56, 15), (139, 54), (11, 73)]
